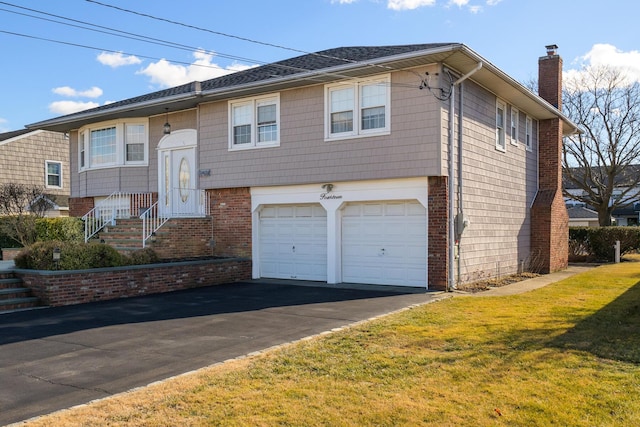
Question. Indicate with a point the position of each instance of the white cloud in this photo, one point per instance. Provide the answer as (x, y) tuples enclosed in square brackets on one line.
[(70, 92), (69, 107), (165, 74), (459, 3), (475, 9), (493, 2), (115, 60), (409, 4), (343, 1), (603, 54)]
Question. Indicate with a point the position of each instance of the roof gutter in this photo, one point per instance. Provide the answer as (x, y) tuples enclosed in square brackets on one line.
[(525, 91), (130, 107)]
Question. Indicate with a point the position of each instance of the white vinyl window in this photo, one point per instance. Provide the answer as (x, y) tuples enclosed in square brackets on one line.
[(82, 150), (134, 140), (53, 174), (103, 146), (500, 122), (358, 108), (513, 129), (254, 123), (113, 144), (528, 138)]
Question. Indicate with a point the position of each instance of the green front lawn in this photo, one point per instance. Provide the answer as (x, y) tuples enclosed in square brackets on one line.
[(566, 355)]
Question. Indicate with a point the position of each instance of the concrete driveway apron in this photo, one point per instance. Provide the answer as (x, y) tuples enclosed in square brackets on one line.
[(55, 358)]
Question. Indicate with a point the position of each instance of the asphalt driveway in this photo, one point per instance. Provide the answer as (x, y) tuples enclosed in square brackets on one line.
[(55, 358)]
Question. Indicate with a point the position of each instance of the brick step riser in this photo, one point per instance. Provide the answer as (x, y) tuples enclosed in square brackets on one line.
[(10, 283), (18, 305), (22, 293)]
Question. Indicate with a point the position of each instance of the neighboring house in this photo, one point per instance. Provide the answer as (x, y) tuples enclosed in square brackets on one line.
[(38, 158), (334, 166), (627, 214), (580, 216)]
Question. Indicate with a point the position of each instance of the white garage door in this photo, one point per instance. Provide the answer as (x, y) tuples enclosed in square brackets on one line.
[(293, 242), (384, 243)]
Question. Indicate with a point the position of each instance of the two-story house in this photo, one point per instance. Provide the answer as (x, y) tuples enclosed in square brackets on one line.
[(415, 165), (38, 159)]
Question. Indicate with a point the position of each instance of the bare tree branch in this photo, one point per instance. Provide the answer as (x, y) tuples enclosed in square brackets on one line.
[(602, 161)]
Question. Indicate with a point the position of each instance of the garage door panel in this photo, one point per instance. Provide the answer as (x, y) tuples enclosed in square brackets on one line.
[(293, 242), (384, 243)]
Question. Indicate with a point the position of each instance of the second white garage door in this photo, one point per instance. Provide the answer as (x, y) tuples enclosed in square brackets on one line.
[(293, 242), (384, 243)]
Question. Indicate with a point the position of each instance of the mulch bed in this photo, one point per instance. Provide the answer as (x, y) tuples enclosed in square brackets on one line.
[(483, 285)]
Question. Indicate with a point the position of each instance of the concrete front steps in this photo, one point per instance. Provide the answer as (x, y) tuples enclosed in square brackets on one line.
[(13, 295)]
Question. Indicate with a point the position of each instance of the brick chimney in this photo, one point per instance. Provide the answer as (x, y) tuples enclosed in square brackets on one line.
[(549, 219)]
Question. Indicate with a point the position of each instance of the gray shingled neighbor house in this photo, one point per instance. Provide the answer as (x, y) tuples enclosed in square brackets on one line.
[(38, 158), (334, 167)]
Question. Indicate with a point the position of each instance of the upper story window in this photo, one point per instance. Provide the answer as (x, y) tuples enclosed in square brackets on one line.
[(53, 174), (500, 122), (513, 133), (113, 144), (528, 138), (254, 122), (358, 108)]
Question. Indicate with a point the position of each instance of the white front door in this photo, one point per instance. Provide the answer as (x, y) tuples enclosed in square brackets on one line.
[(293, 242), (177, 194)]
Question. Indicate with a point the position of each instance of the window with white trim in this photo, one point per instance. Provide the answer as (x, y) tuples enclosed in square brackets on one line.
[(254, 122), (500, 121), (111, 144), (513, 132), (528, 138), (358, 108), (53, 174), (82, 149)]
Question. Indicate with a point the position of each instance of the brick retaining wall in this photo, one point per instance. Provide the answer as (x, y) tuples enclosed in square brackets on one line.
[(59, 288)]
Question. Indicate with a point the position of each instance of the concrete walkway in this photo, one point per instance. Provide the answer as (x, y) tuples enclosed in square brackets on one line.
[(534, 283)]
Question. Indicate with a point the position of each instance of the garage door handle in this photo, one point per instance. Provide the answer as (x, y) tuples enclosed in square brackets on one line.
[(293, 249), (382, 252)]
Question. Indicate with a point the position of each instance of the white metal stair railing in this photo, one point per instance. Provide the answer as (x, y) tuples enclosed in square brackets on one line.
[(179, 203), (118, 205), (152, 220)]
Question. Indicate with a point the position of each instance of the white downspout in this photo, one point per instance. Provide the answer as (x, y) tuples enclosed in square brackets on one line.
[(451, 285)]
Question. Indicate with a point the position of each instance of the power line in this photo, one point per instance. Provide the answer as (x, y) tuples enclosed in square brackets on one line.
[(102, 49), (119, 33), (160, 42), (219, 33), (193, 27)]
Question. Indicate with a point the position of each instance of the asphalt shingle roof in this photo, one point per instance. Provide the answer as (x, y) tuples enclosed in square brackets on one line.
[(325, 59), (13, 134)]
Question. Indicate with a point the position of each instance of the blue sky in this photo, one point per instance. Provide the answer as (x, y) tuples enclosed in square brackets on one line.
[(42, 79)]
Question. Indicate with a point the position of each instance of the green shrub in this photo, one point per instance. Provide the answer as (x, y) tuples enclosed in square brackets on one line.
[(46, 229), (61, 228), (143, 256), (78, 256), (597, 243), (5, 240)]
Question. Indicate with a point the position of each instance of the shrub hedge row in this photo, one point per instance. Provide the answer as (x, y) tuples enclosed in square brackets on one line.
[(61, 228), (597, 243), (79, 256)]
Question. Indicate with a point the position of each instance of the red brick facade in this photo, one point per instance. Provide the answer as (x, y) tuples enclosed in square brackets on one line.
[(231, 212), (549, 218), (78, 287), (184, 238), (438, 235), (78, 206)]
